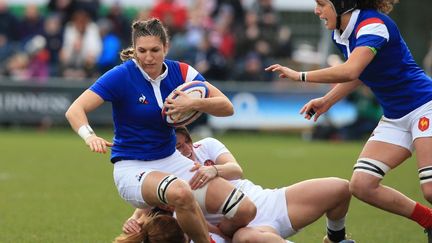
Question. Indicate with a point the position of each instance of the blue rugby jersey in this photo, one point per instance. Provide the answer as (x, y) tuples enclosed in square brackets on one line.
[(399, 84), (140, 132)]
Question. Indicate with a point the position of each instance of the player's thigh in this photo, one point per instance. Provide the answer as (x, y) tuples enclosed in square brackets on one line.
[(390, 154), (376, 154), (308, 200), (217, 193), (423, 148), (390, 143), (375, 160)]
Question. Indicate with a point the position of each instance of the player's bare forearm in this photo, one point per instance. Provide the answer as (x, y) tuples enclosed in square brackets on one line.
[(216, 106), (346, 72), (227, 167), (229, 171), (341, 90)]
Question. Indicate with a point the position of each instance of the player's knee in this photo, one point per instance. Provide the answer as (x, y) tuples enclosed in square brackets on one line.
[(356, 187), (427, 191), (180, 195), (428, 196), (245, 213), (341, 187), (368, 173), (360, 188), (425, 177)]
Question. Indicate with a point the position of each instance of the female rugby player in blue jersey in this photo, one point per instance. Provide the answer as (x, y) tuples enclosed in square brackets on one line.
[(146, 162), (377, 56)]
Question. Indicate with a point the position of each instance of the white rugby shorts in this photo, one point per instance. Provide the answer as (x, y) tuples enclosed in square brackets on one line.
[(272, 211), (403, 131), (129, 175)]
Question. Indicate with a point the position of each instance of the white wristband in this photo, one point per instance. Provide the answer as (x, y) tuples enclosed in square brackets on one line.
[(303, 76), (85, 131)]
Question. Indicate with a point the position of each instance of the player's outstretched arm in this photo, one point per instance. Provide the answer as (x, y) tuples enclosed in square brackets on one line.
[(345, 72), (316, 107)]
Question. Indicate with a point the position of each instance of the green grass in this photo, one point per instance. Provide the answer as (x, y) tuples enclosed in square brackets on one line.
[(52, 189)]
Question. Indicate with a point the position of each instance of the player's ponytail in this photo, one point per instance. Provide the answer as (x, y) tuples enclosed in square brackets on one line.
[(127, 54)]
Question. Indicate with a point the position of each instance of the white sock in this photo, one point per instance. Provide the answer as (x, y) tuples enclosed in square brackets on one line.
[(336, 225)]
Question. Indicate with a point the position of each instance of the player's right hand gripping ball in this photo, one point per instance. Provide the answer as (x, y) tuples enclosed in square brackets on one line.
[(194, 89)]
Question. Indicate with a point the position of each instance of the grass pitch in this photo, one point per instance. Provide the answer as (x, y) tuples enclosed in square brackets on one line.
[(53, 189)]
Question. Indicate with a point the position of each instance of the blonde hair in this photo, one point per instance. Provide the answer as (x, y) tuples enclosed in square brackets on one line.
[(140, 28), (155, 229)]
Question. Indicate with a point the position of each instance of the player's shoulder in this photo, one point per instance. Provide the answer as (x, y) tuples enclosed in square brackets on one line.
[(117, 72), (121, 71), (175, 64), (187, 72), (170, 62), (176, 68), (129, 64), (122, 68), (375, 23)]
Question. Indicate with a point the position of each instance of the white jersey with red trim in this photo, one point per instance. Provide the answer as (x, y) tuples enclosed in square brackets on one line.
[(271, 203), (208, 150)]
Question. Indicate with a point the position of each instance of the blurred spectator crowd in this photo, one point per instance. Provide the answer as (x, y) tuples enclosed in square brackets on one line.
[(75, 40)]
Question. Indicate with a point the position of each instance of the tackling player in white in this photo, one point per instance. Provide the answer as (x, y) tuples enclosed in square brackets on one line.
[(280, 212)]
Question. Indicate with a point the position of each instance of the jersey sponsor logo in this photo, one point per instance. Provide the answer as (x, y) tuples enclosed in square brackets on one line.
[(143, 100), (423, 124)]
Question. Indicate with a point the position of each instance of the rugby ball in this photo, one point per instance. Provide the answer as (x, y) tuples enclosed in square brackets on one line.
[(194, 89)]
